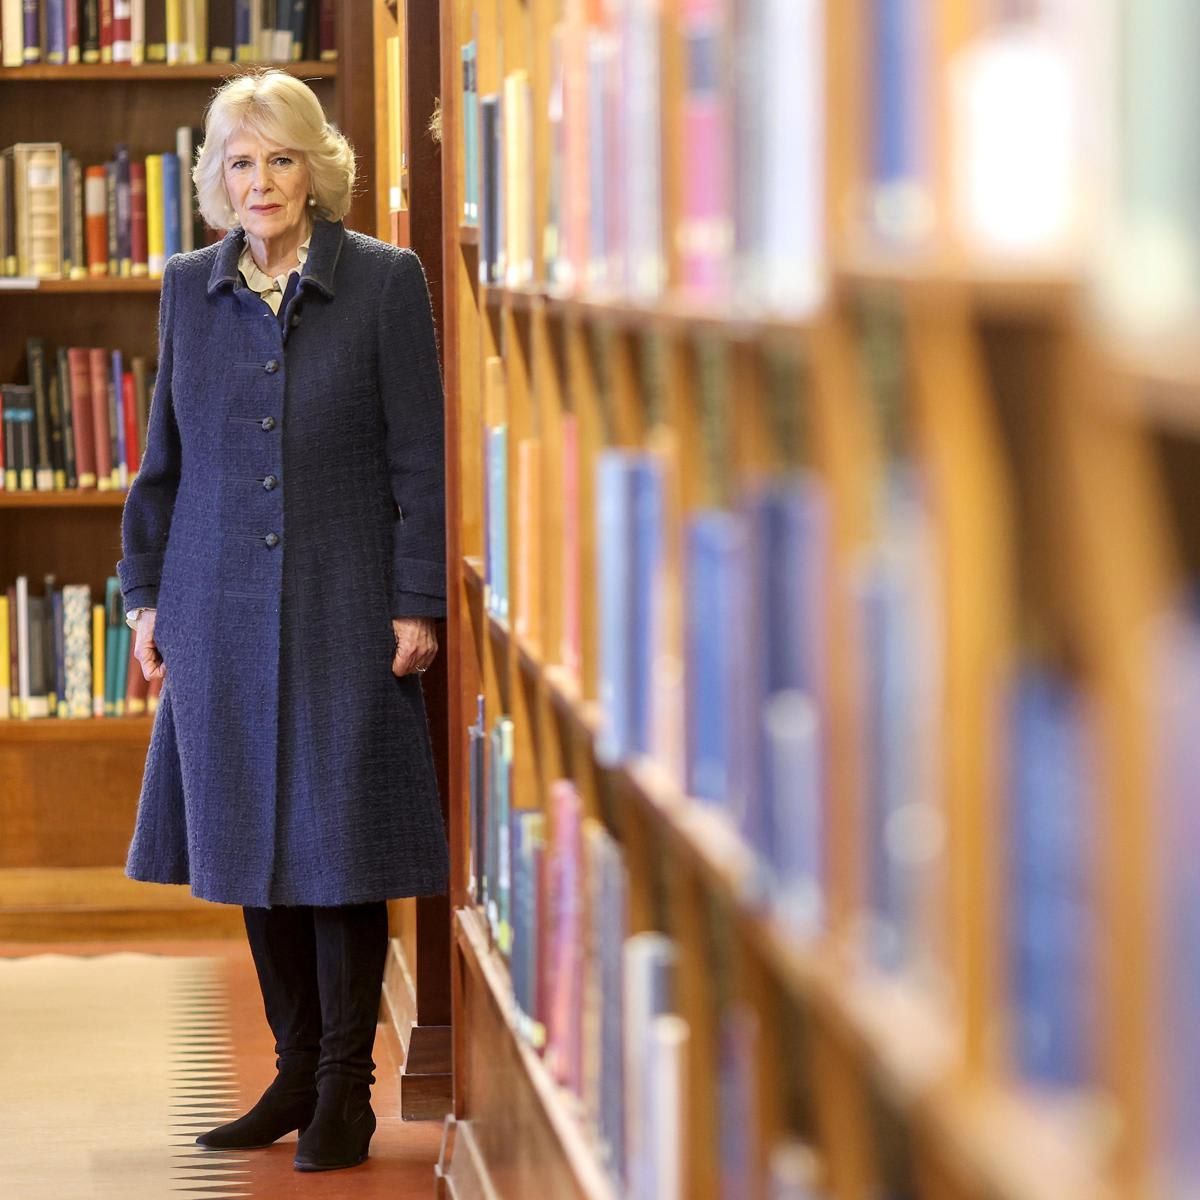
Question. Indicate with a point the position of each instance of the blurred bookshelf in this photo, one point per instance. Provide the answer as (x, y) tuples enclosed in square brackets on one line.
[(822, 449)]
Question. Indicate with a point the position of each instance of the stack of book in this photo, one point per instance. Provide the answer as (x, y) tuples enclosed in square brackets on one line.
[(60, 219), (80, 421), (61, 656), (176, 32)]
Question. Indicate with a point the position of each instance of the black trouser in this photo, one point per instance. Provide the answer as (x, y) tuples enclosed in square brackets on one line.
[(321, 974)]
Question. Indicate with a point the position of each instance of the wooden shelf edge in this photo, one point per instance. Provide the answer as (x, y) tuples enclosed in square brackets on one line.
[(158, 72), (99, 285), (63, 499), (470, 932), (134, 730)]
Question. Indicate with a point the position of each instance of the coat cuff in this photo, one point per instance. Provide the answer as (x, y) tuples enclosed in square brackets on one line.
[(139, 575), (419, 575), (414, 604)]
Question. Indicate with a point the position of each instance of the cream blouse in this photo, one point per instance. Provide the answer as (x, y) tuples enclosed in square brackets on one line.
[(270, 288)]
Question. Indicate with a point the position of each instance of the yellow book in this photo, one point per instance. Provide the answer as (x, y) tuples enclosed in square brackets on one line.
[(529, 541), (177, 46), (395, 123), (5, 676), (155, 230), (518, 179), (98, 673)]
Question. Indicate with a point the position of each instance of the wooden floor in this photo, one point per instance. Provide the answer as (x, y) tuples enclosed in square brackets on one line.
[(402, 1153)]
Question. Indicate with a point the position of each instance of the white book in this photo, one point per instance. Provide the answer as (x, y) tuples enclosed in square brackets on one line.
[(794, 270), (640, 150), (137, 37), (187, 189), (648, 984), (77, 648), (281, 50), (666, 1108), (12, 33), (5, 682), (518, 178)]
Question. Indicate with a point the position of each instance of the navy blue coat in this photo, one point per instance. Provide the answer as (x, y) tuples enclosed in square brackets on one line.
[(289, 503)]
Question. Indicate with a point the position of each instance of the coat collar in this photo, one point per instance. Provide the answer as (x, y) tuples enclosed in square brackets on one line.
[(324, 249)]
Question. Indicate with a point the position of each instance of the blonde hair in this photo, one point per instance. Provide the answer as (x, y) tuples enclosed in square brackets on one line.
[(280, 108)]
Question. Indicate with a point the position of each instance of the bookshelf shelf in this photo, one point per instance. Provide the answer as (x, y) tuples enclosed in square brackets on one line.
[(101, 285), (155, 72), (558, 1108), (62, 499), (88, 729)]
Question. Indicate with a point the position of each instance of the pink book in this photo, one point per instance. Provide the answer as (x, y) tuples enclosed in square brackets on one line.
[(99, 362), (576, 177), (569, 650), (705, 226), (566, 999)]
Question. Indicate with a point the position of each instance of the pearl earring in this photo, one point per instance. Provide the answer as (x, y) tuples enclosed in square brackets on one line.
[(312, 200)]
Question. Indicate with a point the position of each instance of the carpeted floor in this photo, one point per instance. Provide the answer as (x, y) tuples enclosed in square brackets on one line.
[(111, 1060)]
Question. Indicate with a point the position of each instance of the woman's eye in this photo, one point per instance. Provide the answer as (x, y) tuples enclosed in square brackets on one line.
[(283, 161)]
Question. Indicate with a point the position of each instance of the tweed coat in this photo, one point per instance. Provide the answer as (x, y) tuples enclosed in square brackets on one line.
[(289, 503)]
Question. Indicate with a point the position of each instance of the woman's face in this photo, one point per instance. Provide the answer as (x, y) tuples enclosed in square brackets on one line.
[(267, 185)]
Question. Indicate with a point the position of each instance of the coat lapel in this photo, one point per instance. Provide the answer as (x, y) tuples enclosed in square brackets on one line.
[(324, 250)]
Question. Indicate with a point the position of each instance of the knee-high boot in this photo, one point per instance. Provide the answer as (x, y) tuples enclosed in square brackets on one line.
[(284, 949), (352, 945)]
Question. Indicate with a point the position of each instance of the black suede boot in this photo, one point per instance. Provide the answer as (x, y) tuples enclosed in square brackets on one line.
[(284, 949), (351, 951)]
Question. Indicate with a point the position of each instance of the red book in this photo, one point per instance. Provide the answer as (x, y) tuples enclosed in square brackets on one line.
[(106, 31), (81, 417), (129, 411), (139, 251), (122, 31), (100, 364), (95, 206), (72, 33), (327, 45)]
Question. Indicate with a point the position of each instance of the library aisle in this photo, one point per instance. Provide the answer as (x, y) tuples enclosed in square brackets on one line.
[(121, 1052)]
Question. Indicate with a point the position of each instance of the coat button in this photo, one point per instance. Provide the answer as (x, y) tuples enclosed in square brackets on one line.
[(295, 320), (270, 482), (272, 367), (268, 423), (272, 540)]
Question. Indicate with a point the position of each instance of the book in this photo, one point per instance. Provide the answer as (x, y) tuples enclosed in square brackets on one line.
[(565, 964), (517, 176), (37, 189), (77, 650), (171, 205), (6, 693), (492, 264), (156, 231), (571, 645), (666, 1146), (12, 34), (470, 133), (96, 214), (737, 1101), (496, 493), (641, 154), (527, 621), (477, 882), (83, 422), (102, 429)]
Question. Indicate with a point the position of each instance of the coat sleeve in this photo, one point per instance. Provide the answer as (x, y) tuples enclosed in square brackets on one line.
[(411, 390), (146, 517)]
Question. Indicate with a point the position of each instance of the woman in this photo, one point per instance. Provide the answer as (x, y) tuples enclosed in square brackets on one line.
[(283, 562)]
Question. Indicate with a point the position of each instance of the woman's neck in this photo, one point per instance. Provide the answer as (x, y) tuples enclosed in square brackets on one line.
[(275, 256)]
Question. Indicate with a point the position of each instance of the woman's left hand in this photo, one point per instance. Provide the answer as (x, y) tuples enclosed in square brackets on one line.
[(416, 644)]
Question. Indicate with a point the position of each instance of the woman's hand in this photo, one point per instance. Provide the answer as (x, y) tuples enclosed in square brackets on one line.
[(145, 649), (416, 644)]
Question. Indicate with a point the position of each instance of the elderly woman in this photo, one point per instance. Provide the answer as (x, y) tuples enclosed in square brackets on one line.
[(283, 563)]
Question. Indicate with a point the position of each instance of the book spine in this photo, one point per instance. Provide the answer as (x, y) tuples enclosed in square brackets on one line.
[(32, 35), (58, 705), (96, 209), (110, 214), (106, 31), (327, 47), (171, 203), (66, 214), (77, 655), (156, 31), (36, 358), (129, 424), (6, 693), (139, 255), (68, 417), (155, 217), (124, 214), (101, 430), (187, 191), (12, 33), (89, 31), (116, 390), (137, 32), (82, 419), (122, 31), (246, 49), (22, 646), (176, 46), (99, 667), (14, 706), (57, 439), (222, 31), (79, 258), (56, 31)]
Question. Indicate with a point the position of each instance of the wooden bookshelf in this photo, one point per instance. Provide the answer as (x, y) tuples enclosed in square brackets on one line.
[(62, 781), (1060, 521)]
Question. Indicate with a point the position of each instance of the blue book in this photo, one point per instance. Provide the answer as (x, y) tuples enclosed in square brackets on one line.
[(643, 634), (171, 202), (497, 520), (120, 461), (789, 547), (111, 649), (245, 49), (33, 33), (299, 25), (528, 831), (477, 771), (718, 721), (1052, 816), (615, 517), (500, 901), (56, 31), (610, 927)]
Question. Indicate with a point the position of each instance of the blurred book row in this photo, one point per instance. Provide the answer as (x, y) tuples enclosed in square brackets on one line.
[(61, 656), (79, 422), (62, 219), (598, 1003), (172, 32), (1052, 137)]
